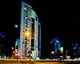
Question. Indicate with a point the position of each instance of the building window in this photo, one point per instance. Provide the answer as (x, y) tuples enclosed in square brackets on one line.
[(32, 41)]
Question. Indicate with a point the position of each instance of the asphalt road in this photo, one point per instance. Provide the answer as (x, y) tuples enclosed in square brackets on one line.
[(26, 61)]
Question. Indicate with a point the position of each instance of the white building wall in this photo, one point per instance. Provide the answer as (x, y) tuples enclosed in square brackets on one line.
[(28, 20)]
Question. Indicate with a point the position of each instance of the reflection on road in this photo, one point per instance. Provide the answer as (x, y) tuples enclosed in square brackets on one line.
[(42, 61)]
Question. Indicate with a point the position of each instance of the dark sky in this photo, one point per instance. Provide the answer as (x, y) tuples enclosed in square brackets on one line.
[(57, 20)]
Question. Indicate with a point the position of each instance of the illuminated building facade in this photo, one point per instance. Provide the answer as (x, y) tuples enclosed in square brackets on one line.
[(17, 46), (30, 33)]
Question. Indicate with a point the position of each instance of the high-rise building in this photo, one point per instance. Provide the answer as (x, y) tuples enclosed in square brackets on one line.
[(57, 47), (79, 52), (75, 48), (17, 46), (30, 32)]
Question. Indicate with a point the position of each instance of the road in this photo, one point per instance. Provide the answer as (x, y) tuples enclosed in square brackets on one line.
[(27, 61)]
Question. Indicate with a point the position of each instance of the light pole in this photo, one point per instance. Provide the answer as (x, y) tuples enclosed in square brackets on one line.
[(52, 54), (66, 53), (12, 48)]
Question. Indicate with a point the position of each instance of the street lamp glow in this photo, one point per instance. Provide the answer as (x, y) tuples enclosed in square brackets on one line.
[(52, 52), (12, 48), (68, 57)]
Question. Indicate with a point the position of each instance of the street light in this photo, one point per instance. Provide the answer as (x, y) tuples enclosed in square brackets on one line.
[(52, 52), (12, 48)]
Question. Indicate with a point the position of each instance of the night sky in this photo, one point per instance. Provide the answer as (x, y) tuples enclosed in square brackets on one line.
[(57, 20)]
